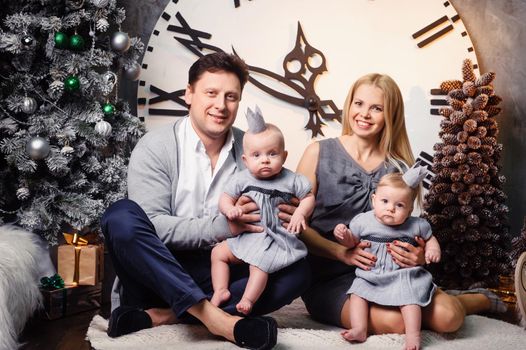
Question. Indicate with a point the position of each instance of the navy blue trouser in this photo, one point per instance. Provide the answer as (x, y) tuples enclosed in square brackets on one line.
[(153, 276)]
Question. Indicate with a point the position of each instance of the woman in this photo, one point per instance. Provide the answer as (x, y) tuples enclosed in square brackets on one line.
[(344, 172)]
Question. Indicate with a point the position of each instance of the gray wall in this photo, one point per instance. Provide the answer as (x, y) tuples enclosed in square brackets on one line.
[(499, 36)]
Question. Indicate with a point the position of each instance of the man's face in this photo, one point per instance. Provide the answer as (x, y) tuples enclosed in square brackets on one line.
[(213, 100)]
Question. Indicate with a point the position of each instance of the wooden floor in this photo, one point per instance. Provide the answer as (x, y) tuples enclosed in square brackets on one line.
[(69, 333)]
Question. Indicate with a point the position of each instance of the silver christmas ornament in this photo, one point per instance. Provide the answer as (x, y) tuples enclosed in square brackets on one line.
[(103, 128), (132, 71), (37, 148), (120, 42), (22, 193), (100, 3), (27, 40), (109, 79), (29, 105)]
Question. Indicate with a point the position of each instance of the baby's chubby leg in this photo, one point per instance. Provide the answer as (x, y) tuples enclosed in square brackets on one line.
[(359, 312), (257, 281), (412, 315), (221, 257)]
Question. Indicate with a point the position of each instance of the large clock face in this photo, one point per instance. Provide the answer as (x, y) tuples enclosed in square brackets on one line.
[(303, 57)]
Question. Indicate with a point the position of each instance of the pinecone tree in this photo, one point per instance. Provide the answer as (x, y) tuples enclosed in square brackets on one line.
[(465, 204), (65, 135), (518, 244)]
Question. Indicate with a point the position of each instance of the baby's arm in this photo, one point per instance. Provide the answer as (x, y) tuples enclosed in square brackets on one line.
[(298, 219), (344, 236), (432, 250), (227, 206)]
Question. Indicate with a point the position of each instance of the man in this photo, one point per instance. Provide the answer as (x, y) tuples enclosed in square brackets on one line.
[(160, 238)]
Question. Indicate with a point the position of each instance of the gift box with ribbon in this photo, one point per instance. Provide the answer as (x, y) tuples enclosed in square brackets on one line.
[(60, 300), (78, 262)]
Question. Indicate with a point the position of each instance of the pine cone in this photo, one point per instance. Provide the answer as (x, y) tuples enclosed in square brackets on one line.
[(449, 150), (456, 104), (450, 139), (472, 220), (474, 157), (473, 142), (481, 132), (446, 198), (440, 188), (486, 90), (448, 127), (467, 108), (464, 169), (457, 94), (459, 225), (469, 88), (466, 210), (494, 100), (475, 189), (470, 125), (477, 202), (468, 179), (23, 193), (467, 71), (458, 118), (464, 198), (479, 116), (493, 111), (447, 161), (462, 148), (462, 136), (445, 111), (457, 187), (490, 141), (480, 102), (455, 176), (460, 158), (485, 79), (449, 85), (451, 211)]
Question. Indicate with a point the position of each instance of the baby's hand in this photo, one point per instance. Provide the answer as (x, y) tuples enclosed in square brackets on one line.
[(296, 224), (432, 256), (234, 213), (344, 236)]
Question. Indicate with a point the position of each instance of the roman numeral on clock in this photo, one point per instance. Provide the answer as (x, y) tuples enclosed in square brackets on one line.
[(426, 160), (175, 96), (438, 102), (432, 26), (194, 44)]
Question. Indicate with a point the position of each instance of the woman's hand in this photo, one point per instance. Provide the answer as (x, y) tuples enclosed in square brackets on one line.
[(245, 222), (357, 256), (406, 255)]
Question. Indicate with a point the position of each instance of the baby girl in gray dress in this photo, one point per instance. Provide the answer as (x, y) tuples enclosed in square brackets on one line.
[(268, 184), (387, 283)]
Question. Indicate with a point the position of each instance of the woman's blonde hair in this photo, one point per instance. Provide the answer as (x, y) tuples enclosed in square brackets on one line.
[(393, 139)]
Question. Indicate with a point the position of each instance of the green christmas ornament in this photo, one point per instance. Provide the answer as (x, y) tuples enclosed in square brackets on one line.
[(108, 109), (76, 42), (72, 83), (61, 40)]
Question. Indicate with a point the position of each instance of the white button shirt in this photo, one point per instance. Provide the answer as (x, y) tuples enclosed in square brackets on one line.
[(198, 187)]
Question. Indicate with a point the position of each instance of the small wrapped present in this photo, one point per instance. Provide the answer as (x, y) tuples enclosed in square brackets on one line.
[(70, 300), (80, 263)]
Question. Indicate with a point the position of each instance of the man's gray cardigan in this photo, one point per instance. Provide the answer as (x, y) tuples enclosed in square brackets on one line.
[(153, 173)]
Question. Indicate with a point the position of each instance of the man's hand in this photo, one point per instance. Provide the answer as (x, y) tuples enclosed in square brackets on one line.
[(245, 222), (406, 255)]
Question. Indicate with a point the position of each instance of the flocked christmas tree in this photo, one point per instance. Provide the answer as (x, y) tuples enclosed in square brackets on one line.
[(465, 204), (65, 135)]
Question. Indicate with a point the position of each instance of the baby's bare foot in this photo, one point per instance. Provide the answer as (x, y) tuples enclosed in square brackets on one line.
[(244, 306), (412, 342), (354, 335), (220, 296)]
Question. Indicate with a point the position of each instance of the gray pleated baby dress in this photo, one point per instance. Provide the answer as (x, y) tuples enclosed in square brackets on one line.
[(275, 248), (387, 283)]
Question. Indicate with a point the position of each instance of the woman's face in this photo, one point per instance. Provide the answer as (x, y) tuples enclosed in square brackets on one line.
[(366, 112)]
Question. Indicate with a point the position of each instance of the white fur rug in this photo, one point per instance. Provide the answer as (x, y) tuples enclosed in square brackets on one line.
[(299, 331)]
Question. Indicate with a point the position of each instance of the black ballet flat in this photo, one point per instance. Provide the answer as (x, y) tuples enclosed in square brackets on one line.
[(259, 333), (126, 320)]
